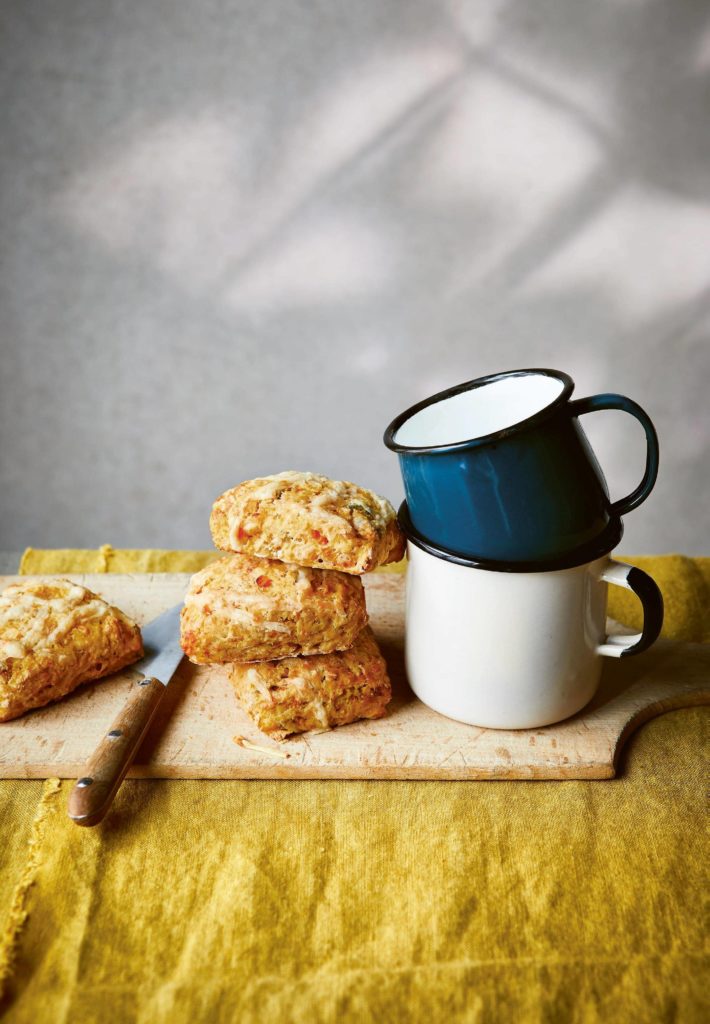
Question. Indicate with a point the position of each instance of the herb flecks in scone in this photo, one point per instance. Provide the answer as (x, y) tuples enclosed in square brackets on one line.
[(242, 609), (309, 520), (298, 694)]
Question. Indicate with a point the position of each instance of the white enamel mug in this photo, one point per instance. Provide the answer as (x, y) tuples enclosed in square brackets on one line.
[(514, 649)]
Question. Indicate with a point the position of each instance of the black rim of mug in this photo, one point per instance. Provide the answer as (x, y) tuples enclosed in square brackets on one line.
[(602, 545), (470, 385)]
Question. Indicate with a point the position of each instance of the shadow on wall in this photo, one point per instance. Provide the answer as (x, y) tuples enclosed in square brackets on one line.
[(239, 248)]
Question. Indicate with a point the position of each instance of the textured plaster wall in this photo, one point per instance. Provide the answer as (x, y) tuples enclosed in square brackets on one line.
[(240, 237)]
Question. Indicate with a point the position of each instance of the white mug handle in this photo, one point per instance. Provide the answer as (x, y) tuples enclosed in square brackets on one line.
[(617, 645)]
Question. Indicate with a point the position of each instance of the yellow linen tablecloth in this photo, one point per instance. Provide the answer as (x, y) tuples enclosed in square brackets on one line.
[(257, 901)]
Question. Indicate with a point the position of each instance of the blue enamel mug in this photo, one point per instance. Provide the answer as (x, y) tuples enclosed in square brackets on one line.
[(500, 468)]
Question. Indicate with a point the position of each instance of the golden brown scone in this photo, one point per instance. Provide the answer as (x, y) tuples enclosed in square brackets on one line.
[(308, 520), (297, 694), (242, 608), (55, 635)]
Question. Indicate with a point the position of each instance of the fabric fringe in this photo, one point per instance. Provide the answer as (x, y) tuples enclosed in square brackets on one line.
[(19, 908), (105, 552), (107, 559)]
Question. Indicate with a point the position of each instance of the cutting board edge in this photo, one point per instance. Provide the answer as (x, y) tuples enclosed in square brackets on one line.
[(538, 773), (688, 698)]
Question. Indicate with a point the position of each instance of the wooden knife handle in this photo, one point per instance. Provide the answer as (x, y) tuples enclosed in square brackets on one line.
[(93, 793)]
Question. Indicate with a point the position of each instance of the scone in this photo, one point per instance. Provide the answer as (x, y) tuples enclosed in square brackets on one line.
[(297, 694), (242, 608), (309, 520), (55, 635)]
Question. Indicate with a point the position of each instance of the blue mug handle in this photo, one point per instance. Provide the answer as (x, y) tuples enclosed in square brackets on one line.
[(595, 402)]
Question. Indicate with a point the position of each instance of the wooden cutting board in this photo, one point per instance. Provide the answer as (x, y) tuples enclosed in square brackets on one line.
[(194, 734)]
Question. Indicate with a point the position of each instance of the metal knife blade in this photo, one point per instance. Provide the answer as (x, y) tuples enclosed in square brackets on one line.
[(162, 652)]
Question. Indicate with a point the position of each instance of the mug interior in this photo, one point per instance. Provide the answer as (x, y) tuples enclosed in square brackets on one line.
[(487, 408)]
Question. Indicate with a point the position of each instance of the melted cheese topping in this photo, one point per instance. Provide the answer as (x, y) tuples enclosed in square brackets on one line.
[(325, 503), (303, 582), (32, 622), (258, 683), (11, 649), (318, 709), (233, 613), (235, 596)]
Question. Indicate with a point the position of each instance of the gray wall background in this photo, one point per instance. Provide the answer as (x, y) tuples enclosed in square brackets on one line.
[(239, 237)]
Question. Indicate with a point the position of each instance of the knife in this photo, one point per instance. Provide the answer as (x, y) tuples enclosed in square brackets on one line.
[(93, 793)]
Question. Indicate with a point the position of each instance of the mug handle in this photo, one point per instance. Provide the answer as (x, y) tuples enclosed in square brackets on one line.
[(595, 402), (617, 645)]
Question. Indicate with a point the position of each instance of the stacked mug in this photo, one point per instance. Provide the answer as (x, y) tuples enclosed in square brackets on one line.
[(509, 530)]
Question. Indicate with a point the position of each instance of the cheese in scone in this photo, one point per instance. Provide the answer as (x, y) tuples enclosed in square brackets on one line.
[(298, 694), (54, 635), (242, 608), (309, 520)]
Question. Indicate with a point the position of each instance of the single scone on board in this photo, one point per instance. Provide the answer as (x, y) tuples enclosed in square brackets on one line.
[(54, 635), (298, 694), (309, 520), (242, 608)]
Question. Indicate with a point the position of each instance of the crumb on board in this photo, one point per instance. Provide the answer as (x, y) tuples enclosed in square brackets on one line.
[(242, 742)]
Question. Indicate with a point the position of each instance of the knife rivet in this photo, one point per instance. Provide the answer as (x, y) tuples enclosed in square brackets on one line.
[(114, 734), (83, 783), (144, 682)]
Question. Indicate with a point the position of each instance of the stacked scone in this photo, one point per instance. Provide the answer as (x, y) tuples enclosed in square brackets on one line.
[(286, 609)]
